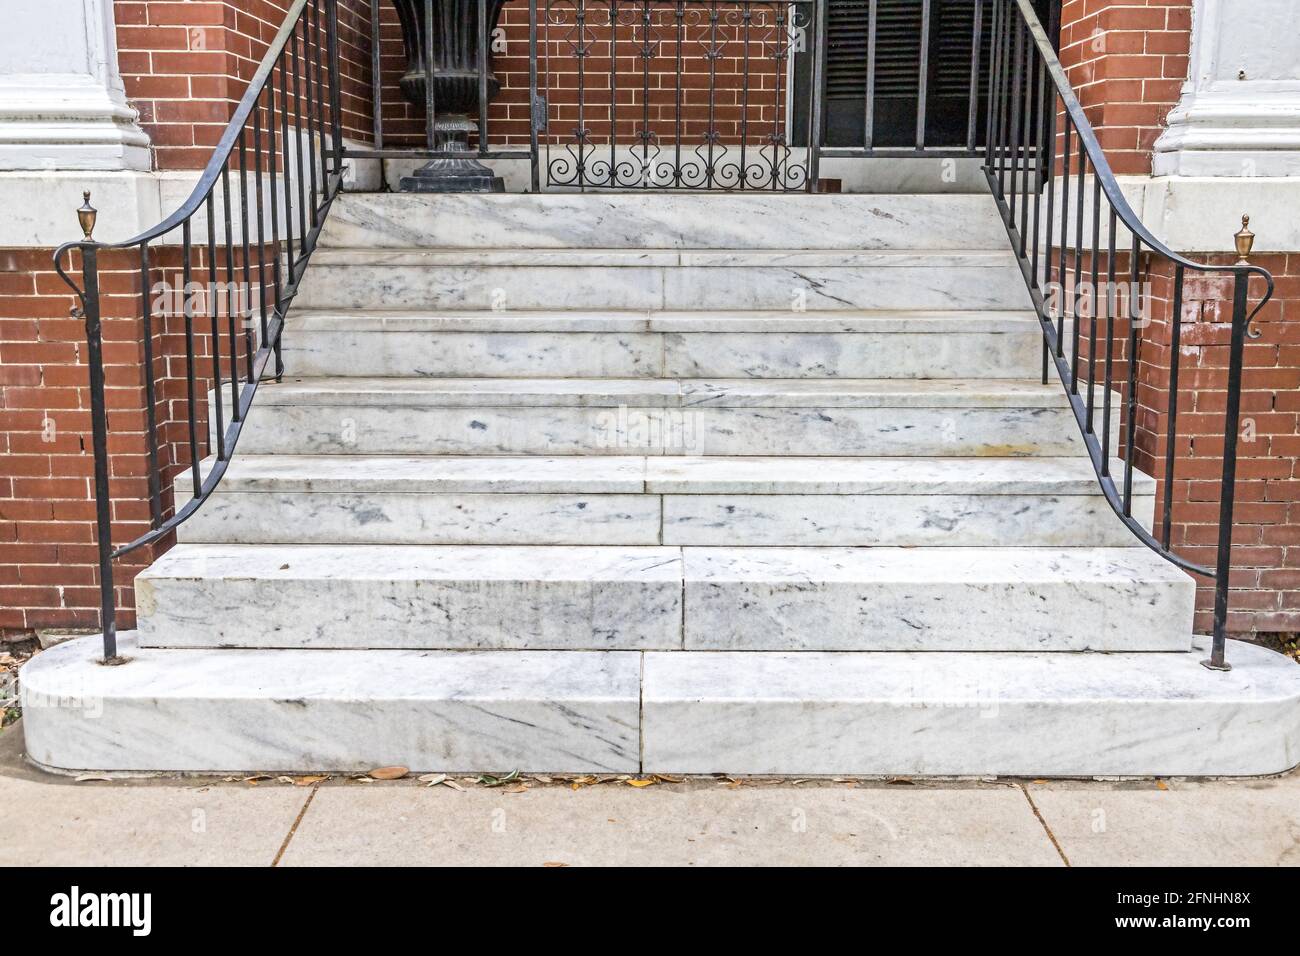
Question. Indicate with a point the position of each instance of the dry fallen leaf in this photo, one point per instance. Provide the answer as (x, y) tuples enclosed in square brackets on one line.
[(641, 783), (433, 779), (389, 773), (1161, 785), (310, 781), (553, 863), (667, 778)]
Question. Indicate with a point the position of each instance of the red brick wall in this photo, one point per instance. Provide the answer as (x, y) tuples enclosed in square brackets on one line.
[(1266, 527), (1127, 61), (185, 66)]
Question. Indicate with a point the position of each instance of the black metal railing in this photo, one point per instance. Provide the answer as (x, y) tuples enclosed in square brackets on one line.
[(678, 94), (258, 208), (264, 195), (1093, 315)]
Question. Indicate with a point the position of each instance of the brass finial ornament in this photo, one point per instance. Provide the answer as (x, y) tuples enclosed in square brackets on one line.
[(86, 215), (1245, 241)]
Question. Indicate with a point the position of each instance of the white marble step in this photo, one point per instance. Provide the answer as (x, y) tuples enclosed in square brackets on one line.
[(244, 710), (906, 502), (794, 280), (662, 344), (646, 598), (665, 221), (919, 714), (548, 711), (843, 417)]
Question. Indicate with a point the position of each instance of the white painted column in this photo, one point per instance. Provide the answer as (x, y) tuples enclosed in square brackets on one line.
[(1240, 109), (62, 106)]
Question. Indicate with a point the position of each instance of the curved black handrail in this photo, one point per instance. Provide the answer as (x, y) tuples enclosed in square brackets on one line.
[(1027, 81), (304, 57)]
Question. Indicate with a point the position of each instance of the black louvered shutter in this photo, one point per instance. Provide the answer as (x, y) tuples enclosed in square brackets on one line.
[(898, 63)]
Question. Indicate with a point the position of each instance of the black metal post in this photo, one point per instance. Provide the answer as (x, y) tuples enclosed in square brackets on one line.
[(99, 447), (1228, 492)]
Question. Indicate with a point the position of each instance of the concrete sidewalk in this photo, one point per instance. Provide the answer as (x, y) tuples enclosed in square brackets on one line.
[(695, 822)]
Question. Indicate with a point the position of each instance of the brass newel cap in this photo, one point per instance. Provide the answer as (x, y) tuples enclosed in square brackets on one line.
[(1245, 241), (86, 215)]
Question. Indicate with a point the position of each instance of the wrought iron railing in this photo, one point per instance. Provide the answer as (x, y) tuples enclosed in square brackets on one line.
[(258, 206), (1092, 321), (265, 193)]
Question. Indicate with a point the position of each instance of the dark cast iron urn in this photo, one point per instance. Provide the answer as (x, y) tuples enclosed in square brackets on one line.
[(455, 89)]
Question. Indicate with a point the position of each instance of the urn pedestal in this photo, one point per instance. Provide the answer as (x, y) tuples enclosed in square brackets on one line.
[(455, 73)]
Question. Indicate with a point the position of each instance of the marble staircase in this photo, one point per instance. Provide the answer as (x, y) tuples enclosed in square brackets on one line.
[(752, 484)]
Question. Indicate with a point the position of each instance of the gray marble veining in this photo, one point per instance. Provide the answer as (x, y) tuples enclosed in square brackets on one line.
[(935, 599), (957, 714), (301, 710), (665, 221), (359, 596)]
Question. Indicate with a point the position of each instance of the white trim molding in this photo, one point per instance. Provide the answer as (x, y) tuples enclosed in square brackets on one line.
[(1239, 115), (62, 105)]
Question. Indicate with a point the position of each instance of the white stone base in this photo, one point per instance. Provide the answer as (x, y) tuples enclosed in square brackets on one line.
[(1066, 715), (231, 710), (681, 711)]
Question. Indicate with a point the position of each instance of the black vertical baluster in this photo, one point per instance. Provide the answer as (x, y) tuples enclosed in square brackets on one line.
[(923, 79), (336, 93), (1079, 216), (1112, 301), (869, 110), (296, 60), (680, 17), (745, 16), (483, 76), (430, 97), (217, 400), (261, 220), (1004, 100), (1228, 486), (1135, 310), (582, 51), (312, 113), (1062, 275), (187, 302), (817, 115), (712, 128), (150, 398), (613, 92), (99, 446), (229, 297), (1095, 299), (1171, 432), (245, 295), (376, 77), (1013, 133), (533, 146), (287, 169), (323, 147), (1047, 179), (995, 82), (972, 110), (1027, 142), (644, 52)]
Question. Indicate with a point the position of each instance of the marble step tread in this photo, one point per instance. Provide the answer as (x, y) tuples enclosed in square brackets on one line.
[(665, 220), (375, 474), (665, 393), (879, 322), (919, 259), (638, 598), (978, 714), (282, 710), (708, 712)]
